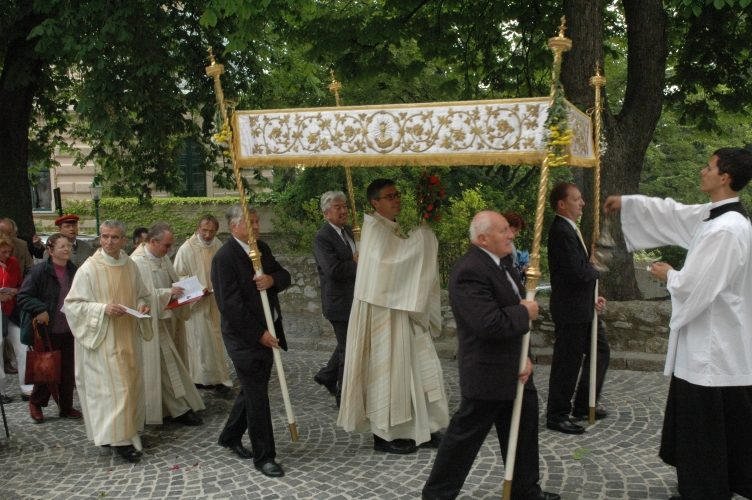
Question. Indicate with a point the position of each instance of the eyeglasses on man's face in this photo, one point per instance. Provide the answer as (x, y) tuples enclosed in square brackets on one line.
[(391, 196)]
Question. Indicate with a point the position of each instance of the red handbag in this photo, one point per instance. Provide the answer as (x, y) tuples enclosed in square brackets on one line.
[(42, 363)]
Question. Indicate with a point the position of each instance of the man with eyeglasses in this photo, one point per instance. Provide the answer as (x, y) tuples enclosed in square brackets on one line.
[(169, 387), (393, 383), (706, 427)]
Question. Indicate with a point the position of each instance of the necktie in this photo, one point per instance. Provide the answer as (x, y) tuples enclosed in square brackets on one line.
[(582, 240), (509, 274), (344, 237)]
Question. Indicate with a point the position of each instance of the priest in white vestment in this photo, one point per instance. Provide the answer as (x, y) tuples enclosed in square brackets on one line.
[(706, 429), (169, 388), (108, 347), (205, 348), (393, 383)]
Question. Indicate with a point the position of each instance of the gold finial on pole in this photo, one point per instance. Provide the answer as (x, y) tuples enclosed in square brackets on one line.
[(562, 26), (215, 71), (334, 88), (558, 45)]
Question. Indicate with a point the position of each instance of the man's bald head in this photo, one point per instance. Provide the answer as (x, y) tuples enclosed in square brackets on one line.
[(490, 230)]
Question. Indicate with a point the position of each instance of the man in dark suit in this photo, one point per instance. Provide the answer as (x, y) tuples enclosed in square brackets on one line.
[(247, 339), (336, 262), (491, 321), (572, 303)]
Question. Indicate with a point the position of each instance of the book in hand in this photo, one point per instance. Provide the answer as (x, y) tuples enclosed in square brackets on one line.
[(193, 291)]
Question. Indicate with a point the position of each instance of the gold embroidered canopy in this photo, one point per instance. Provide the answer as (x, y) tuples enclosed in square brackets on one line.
[(492, 132)]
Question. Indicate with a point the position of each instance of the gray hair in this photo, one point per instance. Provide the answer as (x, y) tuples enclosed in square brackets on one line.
[(113, 224), (329, 197), (158, 231), (480, 224), (235, 214)]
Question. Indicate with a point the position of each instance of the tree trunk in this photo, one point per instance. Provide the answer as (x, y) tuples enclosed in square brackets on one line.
[(19, 81), (627, 134)]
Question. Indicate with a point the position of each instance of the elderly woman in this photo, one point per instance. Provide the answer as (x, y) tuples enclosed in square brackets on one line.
[(41, 299), (10, 281)]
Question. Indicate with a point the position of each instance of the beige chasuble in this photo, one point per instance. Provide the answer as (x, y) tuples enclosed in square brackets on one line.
[(393, 383), (205, 349), (108, 349), (169, 388)]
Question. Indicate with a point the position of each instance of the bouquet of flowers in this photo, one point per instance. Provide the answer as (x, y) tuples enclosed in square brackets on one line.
[(430, 197)]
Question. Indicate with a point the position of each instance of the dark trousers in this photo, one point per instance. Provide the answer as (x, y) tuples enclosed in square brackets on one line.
[(335, 367), (463, 438), (707, 436), (571, 350), (40, 395), (251, 410)]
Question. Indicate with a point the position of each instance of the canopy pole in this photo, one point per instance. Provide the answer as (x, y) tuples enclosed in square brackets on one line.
[(215, 71), (597, 82), (558, 45), (334, 88)]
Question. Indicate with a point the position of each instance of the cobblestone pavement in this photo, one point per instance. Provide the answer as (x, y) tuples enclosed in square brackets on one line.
[(616, 458)]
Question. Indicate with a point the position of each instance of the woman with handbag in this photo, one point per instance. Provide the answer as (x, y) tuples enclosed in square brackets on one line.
[(10, 280), (41, 299)]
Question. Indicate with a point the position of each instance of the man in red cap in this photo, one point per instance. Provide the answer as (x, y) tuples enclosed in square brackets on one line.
[(68, 226)]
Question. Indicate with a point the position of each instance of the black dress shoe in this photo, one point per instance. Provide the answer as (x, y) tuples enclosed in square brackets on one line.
[(566, 427), (6, 399), (222, 389), (25, 397), (434, 442), (129, 453), (189, 418), (545, 495), (239, 450), (330, 386), (271, 469), (398, 446), (600, 413)]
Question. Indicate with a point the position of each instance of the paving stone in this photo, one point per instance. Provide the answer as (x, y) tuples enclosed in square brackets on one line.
[(616, 458)]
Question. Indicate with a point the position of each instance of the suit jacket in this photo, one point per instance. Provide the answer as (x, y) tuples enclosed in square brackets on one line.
[(336, 267), (573, 277), (239, 302), (490, 325)]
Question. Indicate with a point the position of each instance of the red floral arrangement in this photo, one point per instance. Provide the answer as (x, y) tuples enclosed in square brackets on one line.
[(430, 197)]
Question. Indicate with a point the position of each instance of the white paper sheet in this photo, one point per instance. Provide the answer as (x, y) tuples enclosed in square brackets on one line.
[(133, 312), (192, 288)]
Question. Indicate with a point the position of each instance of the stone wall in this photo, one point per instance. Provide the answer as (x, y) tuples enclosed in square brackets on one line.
[(637, 330)]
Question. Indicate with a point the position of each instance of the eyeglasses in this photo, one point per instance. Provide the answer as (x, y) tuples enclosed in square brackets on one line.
[(391, 196)]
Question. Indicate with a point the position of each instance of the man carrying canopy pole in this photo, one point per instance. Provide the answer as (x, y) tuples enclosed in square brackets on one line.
[(706, 428), (215, 71), (247, 332), (492, 320)]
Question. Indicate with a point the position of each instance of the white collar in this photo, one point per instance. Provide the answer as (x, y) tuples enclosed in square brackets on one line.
[(724, 202), (496, 258)]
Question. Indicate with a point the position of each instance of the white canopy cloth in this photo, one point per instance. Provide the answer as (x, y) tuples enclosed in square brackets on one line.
[(455, 133)]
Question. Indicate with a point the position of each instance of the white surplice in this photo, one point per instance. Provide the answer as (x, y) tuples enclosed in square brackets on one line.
[(168, 384), (108, 348), (205, 347), (393, 383), (710, 342)]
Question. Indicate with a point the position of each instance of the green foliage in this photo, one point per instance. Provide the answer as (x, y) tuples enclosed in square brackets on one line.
[(453, 228)]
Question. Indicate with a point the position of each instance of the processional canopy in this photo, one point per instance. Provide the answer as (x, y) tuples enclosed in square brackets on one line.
[(492, 132)]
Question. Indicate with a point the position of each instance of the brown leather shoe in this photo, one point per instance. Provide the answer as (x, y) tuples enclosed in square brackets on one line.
[(36, 413), (72, 413)]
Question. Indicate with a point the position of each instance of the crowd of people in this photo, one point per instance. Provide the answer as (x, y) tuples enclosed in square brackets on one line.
[(139, 351)]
